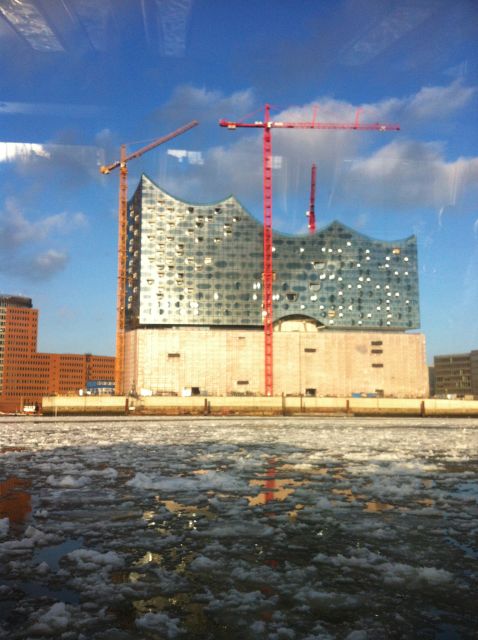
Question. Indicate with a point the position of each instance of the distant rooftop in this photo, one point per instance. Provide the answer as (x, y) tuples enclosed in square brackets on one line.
[(7, 300)]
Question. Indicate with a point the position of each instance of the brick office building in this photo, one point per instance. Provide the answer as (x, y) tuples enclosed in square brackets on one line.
[(26, 375)]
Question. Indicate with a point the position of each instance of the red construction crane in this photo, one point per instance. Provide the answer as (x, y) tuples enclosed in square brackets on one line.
[(268, 276), (122, 163), (311, 211)]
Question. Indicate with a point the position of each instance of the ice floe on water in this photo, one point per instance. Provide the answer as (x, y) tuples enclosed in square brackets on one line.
[(297, 528)]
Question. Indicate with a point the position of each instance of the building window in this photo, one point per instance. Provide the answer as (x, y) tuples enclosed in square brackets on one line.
[(174, 355), (377, 350), (377, 343), (309, 350), (377, 365)]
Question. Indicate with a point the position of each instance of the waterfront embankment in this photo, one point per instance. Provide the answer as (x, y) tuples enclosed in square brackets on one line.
[(256, 405)]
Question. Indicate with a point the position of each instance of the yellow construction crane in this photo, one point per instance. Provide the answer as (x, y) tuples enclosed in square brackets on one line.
[(122, 163)]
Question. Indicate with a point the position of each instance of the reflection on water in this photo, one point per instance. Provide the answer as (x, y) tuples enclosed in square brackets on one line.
[(300, 469), (39, 590), (345, 492), (373, 506), (210, 555), (53, 554), (279, 490), (426, 502), (274, 488), (148, 558), (15, 502), (293, 513), (178, 508)]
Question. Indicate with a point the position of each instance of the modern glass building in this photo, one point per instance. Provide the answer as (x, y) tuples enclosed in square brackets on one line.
[(201, 264)]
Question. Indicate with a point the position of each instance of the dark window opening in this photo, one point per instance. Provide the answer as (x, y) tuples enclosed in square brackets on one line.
[(311, 392), (308, 350), (376, 365)]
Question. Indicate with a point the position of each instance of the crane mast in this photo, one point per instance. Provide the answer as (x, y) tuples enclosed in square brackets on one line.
[(122, 164), (268, 276), (311, 211)]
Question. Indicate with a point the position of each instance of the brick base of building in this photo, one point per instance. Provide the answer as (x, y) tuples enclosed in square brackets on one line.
[(307, 360)]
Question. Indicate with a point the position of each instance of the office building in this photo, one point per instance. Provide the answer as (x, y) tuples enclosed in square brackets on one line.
[(26, 375), (456, 375)]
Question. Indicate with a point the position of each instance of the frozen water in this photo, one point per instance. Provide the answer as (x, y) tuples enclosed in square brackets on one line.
[(307, 529)]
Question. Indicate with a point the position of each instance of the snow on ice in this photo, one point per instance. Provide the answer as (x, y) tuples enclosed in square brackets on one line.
[(300, 528)]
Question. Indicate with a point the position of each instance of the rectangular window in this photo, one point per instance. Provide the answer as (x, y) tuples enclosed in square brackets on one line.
[(376, 365), (243, 382), (377, 350), (376, 343), (174, 355), (308, 350)]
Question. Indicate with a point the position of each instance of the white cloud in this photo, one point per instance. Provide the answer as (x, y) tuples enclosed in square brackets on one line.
[(48, 109), (364, 168), (45, 264), (428, 104), (21, 240), (432, 102), (188, 102), (405, 173), (16, 229)]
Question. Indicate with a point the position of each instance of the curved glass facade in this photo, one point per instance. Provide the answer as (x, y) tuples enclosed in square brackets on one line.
[(201, 264)]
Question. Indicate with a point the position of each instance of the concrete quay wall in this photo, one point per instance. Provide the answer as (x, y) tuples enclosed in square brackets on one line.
[(255, 405)]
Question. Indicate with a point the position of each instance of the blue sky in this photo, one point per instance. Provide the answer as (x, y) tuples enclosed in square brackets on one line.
[(79, 78)]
